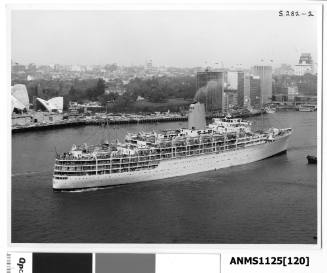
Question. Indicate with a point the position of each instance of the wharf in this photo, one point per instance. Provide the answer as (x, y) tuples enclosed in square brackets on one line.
[(99, 121), (85, 122)]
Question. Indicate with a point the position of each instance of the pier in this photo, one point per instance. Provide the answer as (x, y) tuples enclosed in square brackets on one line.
[(101, 121), (96, 122)]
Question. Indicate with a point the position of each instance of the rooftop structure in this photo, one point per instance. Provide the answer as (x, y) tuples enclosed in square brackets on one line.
[(52, 105), (305, 65)]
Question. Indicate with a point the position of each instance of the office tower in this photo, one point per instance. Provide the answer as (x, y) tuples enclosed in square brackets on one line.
[(255, 91), (246, 98), (210, 89), (240, 88), (265, 74)]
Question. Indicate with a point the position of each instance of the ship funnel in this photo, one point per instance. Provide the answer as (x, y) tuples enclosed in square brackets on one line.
[(196, 116)]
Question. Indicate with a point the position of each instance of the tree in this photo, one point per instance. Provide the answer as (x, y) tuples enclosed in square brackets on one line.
[(90, 94), (160, 88), (105, 98), (100, 88), (123, 102), (72, 93)]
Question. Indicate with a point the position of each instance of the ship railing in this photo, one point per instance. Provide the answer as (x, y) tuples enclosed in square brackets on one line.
[(74, 173), (60, 177), (128, 167), (255, 143), (75, 162), (75, 168)]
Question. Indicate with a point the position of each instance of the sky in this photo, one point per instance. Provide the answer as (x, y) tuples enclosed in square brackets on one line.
[(170, 38)]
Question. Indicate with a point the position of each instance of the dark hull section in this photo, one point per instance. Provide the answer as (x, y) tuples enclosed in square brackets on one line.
[(312, 159)]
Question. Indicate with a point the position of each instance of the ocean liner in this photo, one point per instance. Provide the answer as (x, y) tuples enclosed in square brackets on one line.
[(147, 156)]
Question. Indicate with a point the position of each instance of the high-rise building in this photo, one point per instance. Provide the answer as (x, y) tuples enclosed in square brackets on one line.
[(210, 89), (246, 98), (232, 80), (240, 88), (235, 82), (265, 74), (305, 65), (230, 99), (255, 91)]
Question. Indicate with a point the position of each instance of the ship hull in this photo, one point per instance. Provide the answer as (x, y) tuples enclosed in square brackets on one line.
[(178, 167)]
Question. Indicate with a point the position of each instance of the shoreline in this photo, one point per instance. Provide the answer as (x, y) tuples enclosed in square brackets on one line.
[(99, 122)]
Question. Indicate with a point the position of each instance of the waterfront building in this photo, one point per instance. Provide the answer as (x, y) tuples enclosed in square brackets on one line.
[(265, 74), (230, 99), (303, 99), (16, 105), (210, 89), (292, 91), (21, 119), (19, 97), (305, 65), (46, 117), (35, 117), (52, 105)]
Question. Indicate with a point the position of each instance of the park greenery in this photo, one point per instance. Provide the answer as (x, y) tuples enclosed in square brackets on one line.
[(306, 84), (158, 93)]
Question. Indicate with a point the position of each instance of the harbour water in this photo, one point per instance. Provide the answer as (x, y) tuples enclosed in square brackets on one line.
[(269, 201)]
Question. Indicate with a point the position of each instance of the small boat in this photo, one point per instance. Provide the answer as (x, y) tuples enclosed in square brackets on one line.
[(312, 159), (269, 110), (307, 108)]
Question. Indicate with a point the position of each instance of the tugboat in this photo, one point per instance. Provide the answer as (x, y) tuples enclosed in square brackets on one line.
[(312, 159), (269, 110)]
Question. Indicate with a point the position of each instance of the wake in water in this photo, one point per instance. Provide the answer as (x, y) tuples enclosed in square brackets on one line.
[(30, 173), (90, 189)]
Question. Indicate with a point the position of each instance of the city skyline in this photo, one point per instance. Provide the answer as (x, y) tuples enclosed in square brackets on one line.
[(168, 38)]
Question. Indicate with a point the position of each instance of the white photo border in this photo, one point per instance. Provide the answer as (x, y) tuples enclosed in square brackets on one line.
[(171, 248)]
